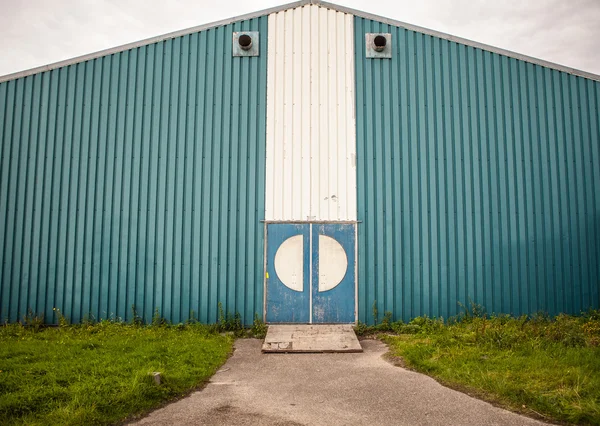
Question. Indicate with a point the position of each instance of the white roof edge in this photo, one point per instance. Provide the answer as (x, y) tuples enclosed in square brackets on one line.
[(151, 40), (293, 5), (465, 41)]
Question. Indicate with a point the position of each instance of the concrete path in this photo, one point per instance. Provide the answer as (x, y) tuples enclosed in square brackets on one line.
[(325, 389)]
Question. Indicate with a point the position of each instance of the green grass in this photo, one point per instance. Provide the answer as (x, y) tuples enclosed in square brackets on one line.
[(546, 368), (99, 374)]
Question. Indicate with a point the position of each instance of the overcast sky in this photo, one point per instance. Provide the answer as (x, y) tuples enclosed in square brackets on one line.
[(39, 32)]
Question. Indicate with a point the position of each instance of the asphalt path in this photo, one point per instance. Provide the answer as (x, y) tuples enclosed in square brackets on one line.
[(325, 389)]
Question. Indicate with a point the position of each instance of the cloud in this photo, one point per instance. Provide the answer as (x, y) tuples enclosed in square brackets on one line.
[(38, 32)]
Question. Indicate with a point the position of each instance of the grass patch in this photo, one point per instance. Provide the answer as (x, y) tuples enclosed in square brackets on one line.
[(540, 366), (99, 374)]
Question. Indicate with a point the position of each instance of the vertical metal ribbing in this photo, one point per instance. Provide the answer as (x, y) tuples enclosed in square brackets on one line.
[(310, 164), (488, 197), (131, 179)]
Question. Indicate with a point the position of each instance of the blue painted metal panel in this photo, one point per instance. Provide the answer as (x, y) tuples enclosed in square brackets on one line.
[(285, 305), (338, 304), (136, 178), (477, 181)]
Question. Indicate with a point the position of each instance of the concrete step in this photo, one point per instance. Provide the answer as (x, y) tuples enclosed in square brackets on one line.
[(307, 338)]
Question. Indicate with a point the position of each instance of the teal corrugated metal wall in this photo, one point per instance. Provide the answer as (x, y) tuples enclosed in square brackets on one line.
[(478, 179), (136, 179)]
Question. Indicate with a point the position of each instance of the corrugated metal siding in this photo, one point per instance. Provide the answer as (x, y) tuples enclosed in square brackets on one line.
[(311, 146), (478, 179), (136, 179)]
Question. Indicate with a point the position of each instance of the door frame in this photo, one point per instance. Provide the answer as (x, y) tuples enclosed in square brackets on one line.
[(310, 223)]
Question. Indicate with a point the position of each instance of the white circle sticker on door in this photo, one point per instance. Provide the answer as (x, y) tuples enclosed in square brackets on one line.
[(333, 263), (289, 263)]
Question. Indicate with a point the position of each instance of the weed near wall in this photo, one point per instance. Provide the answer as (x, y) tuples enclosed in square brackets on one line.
[(544, 367), (99, 374)]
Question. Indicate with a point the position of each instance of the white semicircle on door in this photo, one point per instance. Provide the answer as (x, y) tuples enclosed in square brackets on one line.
[(289, 263), (333, 263)]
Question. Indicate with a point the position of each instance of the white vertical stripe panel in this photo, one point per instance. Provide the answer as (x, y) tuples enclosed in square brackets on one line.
[(311, 145)]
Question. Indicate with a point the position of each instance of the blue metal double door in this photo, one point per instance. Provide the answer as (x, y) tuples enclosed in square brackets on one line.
[(311, 273)]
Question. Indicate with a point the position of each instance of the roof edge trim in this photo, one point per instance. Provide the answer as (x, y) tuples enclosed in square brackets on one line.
[(465, 41), (293, 5), (152, 40)]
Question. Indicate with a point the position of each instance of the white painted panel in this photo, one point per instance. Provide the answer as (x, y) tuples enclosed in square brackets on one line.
[(333, 263), (289, 263), (311, 136)]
